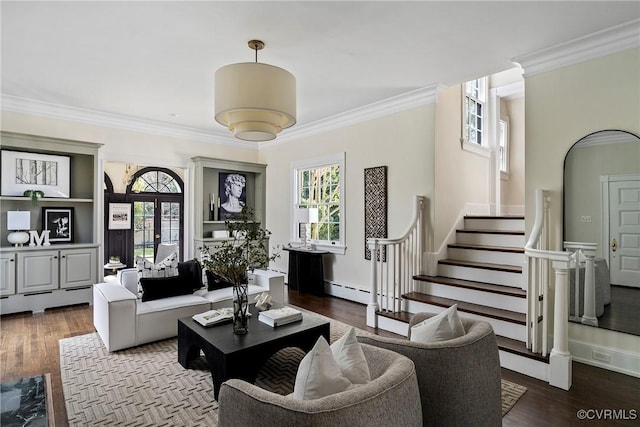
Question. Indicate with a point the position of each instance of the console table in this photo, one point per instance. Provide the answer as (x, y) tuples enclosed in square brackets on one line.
[(306, 270)]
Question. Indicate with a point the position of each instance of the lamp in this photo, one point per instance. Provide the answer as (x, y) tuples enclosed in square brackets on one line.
[(255, 101), (305, 217), (19, 222)]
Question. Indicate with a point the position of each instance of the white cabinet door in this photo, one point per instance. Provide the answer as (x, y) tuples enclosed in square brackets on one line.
[(37, 271), (78, 267), (7, 274)]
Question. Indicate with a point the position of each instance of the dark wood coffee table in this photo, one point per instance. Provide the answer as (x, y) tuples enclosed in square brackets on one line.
[(242, 356)]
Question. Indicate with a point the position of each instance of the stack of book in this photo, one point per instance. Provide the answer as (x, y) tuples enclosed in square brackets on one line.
[(280, 316), (214, 317)]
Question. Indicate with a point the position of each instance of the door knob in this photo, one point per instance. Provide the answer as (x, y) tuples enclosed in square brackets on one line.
[(614, 245), (157, 236)]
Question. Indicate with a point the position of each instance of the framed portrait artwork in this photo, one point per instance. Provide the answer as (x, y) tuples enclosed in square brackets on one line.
[(119, 216), (59, 222), (232, 187), (23, 171)]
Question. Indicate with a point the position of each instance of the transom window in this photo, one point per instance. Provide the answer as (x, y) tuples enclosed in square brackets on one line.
[(319, 183), (155, 181)]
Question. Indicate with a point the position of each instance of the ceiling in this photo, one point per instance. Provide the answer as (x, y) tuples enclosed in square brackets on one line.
[(156, 60)]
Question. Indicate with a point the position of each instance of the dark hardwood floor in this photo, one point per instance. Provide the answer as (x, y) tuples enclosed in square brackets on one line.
[(29, 346), (623, 313)]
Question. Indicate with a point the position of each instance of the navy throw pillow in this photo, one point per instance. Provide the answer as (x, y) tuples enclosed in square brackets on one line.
[(163, 287)]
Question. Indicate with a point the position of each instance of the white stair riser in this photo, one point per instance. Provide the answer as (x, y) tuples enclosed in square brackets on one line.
[(500, 327), (509, 240), (491, 257), (473, 296), (525, 365), (395, 326), (504, 278), (498, 224)]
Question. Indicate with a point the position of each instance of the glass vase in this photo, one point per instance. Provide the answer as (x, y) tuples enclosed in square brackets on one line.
[(240, 309)]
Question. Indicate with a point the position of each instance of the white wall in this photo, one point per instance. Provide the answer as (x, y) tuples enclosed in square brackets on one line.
[(403, 141), (561, 107)]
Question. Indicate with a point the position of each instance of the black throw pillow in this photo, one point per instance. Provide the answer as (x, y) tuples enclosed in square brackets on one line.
[(216, 282), (163, 287), (191, 272)]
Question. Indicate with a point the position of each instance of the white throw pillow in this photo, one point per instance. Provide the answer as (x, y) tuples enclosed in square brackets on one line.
[(350, 358), (444, 326), (168, 267), (319, 374)]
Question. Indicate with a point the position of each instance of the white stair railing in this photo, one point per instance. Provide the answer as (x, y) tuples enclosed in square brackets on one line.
[(540, 260), (584, 254), (394, 262)]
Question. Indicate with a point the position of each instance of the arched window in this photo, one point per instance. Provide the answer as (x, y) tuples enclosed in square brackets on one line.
[(158, 208)]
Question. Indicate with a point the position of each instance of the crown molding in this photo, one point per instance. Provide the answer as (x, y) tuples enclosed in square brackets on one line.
[(385, 107), (606, 137), (511, 90), (595, 45), (120, 121)]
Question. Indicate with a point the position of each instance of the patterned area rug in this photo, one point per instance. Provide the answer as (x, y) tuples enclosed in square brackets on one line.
[(146, 386)]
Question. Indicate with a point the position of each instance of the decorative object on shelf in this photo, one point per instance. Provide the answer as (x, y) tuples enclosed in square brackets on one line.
[(23, 171), (59, 221), (233, 193), (304, 217), (375, 207), (19, 223), (255, 101), (235, 257), (119, 216), (212, 207), (35, 196), (114, 259), (41, 239)]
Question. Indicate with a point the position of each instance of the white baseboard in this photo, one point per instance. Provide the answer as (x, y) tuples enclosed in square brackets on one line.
[(347, 292), (606, 358)]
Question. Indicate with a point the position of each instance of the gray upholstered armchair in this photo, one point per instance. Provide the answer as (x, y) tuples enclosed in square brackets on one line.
[(391, 399), (459, 379)]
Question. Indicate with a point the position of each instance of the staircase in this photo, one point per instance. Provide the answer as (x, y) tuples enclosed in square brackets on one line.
[(483, 276)]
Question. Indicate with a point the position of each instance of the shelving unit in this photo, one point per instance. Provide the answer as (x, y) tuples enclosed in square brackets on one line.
[(39, 277), (206, 182)]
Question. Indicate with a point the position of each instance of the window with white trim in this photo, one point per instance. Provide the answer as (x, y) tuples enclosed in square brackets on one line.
[(503, 146), (319, 183), (474, 112)]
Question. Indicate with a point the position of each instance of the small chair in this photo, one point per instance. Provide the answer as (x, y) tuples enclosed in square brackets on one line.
[(459, 379), (390, 399)]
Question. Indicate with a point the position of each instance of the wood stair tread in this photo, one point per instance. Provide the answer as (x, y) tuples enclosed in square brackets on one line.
[(515, 217), (481, 310), (486, 248), (483, 265), (489, 231), (469, 284), (505, 344)]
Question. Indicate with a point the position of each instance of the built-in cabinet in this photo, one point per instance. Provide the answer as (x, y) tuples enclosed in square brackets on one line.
[(208, 173), (34, 278)]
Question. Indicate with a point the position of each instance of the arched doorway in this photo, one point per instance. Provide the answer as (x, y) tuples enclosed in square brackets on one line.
[(157, 198)]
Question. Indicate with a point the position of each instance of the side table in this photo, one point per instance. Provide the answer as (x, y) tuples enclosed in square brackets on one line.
[(306, 270), (111, 269)]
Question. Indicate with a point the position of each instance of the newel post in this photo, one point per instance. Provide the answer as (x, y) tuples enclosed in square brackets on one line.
[(560, 374), (373, 307), (589, 317)]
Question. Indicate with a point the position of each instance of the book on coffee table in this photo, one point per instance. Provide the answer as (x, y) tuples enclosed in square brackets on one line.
[(280, 316), (214, 317)]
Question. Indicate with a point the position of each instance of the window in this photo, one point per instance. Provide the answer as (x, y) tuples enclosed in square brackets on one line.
[(503, 146), (474, 112), (319, 183)]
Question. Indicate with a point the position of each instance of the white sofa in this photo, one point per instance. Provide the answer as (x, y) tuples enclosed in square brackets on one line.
[(122, 320)]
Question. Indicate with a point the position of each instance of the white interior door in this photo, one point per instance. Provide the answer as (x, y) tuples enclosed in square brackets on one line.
[(624, 232)]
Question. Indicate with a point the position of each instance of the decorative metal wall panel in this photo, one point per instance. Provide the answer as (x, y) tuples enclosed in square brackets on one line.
[(375, 206)]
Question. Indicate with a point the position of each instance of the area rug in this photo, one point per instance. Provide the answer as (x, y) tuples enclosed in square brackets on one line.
[(26, 402), (146, 386)]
